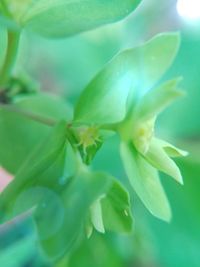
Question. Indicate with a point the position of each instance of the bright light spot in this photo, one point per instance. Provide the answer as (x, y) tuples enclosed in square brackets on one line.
[(189, 9)]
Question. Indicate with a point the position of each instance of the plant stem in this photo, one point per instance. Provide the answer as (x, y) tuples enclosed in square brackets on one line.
[(29, 115), (10, 57)]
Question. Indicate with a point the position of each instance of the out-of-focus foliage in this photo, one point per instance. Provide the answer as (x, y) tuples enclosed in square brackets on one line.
[(2, 44), (18, 243), (59, 18), (17, 144), (69, 69)]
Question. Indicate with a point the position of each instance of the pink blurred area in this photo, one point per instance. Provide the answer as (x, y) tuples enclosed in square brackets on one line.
[(5, 179)]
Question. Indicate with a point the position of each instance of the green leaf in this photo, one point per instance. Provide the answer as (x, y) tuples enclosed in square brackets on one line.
[(125, 79), (19, 135), (78, 197), (99, 251), (48, 105), (145, 181), (44, 203), (89, 227), (19, 243), (158, 157), (44, 167), (44, 186), (116, 209), (157, 99), (104, 99), (38, 185), (3, 44), (59, 18), (155, 58)]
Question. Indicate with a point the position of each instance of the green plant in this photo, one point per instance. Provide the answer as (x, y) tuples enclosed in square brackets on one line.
[(50, 151)]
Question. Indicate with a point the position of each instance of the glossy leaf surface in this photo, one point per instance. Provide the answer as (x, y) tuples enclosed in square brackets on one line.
[(125, 79), (59, 18)]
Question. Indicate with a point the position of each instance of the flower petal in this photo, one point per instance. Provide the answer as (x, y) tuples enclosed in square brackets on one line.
[(171, 150), (96, 216), (145, 181), (157, 99), (158, 157)]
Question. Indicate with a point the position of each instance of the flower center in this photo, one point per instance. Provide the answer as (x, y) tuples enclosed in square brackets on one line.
[(88, 136), (142, 135)]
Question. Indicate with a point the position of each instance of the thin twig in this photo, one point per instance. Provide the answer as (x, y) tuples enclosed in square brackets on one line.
[(28, 114)]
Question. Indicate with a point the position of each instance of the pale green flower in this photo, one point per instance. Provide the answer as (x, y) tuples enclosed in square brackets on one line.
[(144, 154)]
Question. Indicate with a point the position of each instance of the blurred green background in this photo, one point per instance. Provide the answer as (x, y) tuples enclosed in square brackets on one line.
[(66, 66)]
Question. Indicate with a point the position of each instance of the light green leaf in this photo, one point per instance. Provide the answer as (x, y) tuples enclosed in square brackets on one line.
[(125, 79), (19, 135), (59, 18), (104, 99), (146, 183), (155, 58), (157, 156), (156, 100), (116, 209)]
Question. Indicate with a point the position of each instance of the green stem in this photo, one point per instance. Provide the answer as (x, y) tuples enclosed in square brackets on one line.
[(125, 127), (44, 120), (10, 57)]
